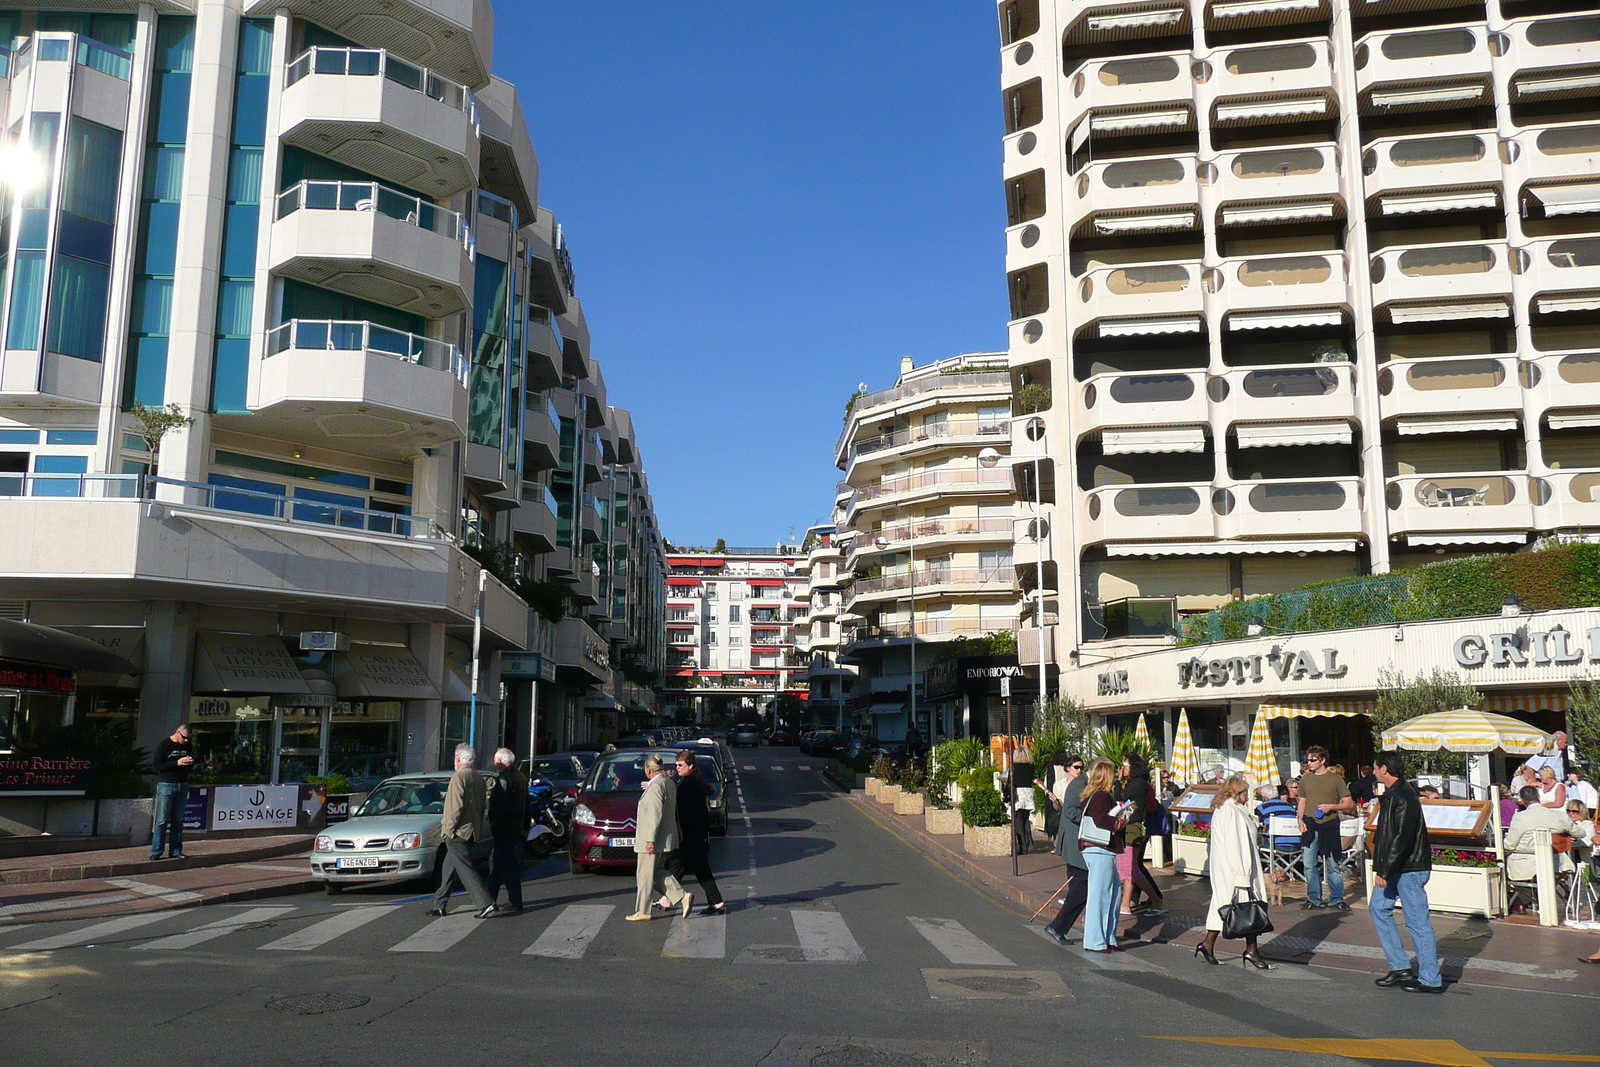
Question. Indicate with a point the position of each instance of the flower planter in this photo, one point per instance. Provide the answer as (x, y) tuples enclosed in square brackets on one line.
[(942, 820), (872, 785), (1459, 890), (888, 794), (1189, 855), (987, 840), (909, 804)]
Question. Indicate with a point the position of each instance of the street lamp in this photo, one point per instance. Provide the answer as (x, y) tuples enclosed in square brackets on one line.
[(990, 458), (882, 544)]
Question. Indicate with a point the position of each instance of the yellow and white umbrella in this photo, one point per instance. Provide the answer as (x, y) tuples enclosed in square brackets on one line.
[(1466, 730), (1184, 765), (1261, 763), (1141, 731)]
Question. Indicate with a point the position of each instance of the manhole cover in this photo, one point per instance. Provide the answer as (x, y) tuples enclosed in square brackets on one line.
[(1011, 987), (866, 1057), (786, 825), (316, 1003), (782, 953)]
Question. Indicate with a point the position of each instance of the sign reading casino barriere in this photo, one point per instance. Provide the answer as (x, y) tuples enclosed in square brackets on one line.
[(1546, 648)]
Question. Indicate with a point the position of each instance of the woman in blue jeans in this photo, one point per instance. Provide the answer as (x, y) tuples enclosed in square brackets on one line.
[(1100, 854)]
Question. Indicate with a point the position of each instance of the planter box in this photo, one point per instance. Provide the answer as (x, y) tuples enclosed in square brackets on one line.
[(942, 820), (888, 794), (859, 781), (1189, 854), (910, 804), (872, 785), (1460, 890), (987, 840)]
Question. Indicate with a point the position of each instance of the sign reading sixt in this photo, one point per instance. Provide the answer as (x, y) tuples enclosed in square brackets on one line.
[(1287, 665)]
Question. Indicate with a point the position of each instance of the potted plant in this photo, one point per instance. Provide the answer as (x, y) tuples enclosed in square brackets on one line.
[(1190, 844), (877, 774), (1464, 882), (984, 823), (911, 800)]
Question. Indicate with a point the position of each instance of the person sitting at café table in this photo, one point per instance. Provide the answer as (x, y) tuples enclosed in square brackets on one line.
[(1582, 830), (1520, 865), (1552, 794)]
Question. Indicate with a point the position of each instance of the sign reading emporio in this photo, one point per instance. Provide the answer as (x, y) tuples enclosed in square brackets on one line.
[(247, 807)]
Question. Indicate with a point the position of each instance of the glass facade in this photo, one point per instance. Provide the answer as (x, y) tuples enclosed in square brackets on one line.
[(486, 398)]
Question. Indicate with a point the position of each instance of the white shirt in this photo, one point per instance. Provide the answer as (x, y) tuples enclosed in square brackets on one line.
[(1585, 792)]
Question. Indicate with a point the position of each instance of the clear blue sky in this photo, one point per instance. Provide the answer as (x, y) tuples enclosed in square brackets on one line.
[(767, 202)]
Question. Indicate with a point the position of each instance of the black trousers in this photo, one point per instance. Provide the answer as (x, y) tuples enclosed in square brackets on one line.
[(696, 861), (1073, 903), (507, 868), (1022, 830)]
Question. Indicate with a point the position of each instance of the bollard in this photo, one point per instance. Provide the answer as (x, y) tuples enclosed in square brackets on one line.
[(1544, 877)]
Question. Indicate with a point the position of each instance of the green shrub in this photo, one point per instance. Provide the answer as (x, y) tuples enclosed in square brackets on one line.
[(911, 777), (882, 768), (335, 784), (981, 806), (1032, 398), (976, 778)]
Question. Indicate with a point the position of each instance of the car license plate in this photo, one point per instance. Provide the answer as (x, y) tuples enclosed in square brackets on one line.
[(345, 863), (621, 842)]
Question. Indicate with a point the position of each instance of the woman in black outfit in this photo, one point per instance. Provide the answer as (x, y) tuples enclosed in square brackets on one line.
[(1135, 786)]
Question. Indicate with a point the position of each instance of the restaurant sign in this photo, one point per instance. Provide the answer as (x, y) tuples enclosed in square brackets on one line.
[(14, 675), (1286, 665), (45, 776), (1543, 648)]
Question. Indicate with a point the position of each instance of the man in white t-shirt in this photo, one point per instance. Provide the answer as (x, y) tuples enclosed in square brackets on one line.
[(1578, 789), (1556, 756)]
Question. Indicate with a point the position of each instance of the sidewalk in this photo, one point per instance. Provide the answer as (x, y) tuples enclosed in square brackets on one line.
[(1501, 953), (122, 881)]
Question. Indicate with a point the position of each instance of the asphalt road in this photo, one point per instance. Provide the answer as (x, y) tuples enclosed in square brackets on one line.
[(844, 948)]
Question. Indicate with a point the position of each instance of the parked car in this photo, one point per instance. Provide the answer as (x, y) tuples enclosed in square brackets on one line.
[(365, 773), (826, 743), (393, 837), (780, 736), (604, 819), (744, 734), (564, 770)]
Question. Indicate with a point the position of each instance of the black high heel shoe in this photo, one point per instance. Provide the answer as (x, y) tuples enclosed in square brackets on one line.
[(1204, 952), (1257, 962)]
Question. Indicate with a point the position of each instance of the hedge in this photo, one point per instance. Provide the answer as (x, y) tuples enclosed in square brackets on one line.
[(1560, 576)]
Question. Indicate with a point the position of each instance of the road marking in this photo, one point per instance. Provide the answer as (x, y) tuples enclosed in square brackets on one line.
[(704, 938), (302, 869), (440, 934), (86, 934), (824, 937), (1118, 961), (1371, 952), (201, 934), (150, 889), (1443, 1052), (568, 937), (776, 767), (319, 934), (958, 944), (803, 767), (748, 767)]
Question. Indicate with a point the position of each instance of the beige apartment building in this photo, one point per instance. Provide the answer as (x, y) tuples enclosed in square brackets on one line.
[(315, 228), (1300, 289)]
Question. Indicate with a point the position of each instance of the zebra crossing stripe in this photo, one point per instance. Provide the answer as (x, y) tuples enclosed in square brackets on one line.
[(210, 931), (440, 934), (568, 937), (319, 934), (776, 767), (824, 937), (701, 938), (958, 944), (84, 935)]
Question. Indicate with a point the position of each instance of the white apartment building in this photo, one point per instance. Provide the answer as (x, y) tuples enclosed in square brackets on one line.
[(925, 519), (732, 614), (818, 633), (1299, 290), (314, 227)]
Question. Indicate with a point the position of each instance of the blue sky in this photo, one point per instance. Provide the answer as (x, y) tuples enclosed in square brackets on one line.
[(767, 203)]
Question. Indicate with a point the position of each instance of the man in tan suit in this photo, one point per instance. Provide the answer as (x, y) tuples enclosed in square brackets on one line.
[(464, 804), (655, 835)]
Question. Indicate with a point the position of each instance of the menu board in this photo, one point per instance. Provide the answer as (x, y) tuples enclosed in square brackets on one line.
[(1446, 818), (1197, 799)]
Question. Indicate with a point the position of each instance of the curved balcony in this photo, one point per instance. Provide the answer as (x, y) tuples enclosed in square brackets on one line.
[(1416, 175), (1285, 81), (1453, 62), (374, 243), (1138, 195), (1163, 291), (1285, 393), (1568, 151), (941, 483), (1544, 51), (1569, 379), (933, 534), (452, 36), (1174, 512), (1453, 503), (1273, 283), (1293, 508), (1250, 14), (365, 387), (1571, 499), (1098, 20), (1157, 398), (1565, 273), (1132, 82), (1306, 175), (383, 115), (929, 436), (934, 581), (1445, 276), (1450, 386)]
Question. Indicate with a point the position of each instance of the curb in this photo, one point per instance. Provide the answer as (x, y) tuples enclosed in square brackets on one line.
[(90, 871), (150, 904)]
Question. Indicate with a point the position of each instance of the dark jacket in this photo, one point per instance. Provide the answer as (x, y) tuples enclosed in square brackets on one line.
[(509, 815), (1401, 843), (1071, 814), (694, 814), (167, 755)]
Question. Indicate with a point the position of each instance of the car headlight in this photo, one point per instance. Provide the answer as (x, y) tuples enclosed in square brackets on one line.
[(324, 843), (582, 815), (406, 841)]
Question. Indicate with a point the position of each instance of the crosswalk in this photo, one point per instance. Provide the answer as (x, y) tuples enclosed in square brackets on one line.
[(820, 935)]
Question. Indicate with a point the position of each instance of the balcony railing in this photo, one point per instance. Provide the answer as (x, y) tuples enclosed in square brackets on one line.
[(316, 195), (336, 335), (940, 628), (973, 478), (91, 486), (934, 528), (377, 63), (933, 383), (930, 432), (994, 577)]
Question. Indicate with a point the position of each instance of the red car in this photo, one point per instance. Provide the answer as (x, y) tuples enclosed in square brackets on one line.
[(603, 821)]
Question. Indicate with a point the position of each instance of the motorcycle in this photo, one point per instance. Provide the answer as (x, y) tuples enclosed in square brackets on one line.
[(551, 810)]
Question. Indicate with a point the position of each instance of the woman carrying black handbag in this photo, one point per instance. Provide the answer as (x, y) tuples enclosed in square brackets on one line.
[(1233, 864)]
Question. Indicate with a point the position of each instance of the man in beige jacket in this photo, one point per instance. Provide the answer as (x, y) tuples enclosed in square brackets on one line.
[(655, 835), (464, 805)]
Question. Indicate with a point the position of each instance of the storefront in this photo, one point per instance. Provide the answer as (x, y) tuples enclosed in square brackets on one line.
[(39, 669), (966, 696)]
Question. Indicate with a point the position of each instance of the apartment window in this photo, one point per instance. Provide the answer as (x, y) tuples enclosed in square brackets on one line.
[(733, 613), (711, 659), (711, 638), (735, 640), (735, 660), (736, 591)]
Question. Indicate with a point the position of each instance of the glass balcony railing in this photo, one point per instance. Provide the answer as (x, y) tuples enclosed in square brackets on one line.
[(64, 47), (341, 336), (377, 63), (312, 195)]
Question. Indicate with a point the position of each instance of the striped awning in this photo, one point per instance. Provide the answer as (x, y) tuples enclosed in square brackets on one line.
[(1315, 709), (1542, 700)]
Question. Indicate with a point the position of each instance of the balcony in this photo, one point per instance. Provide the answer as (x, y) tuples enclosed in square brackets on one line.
[(934, 581), (1560, 153), (1565, 274), (1450, 386), (1329, 507), (1164, 398), (1417, 175), (1569, 379), (374, 243), (1571, 500), (951, 433), (1280, 283), (1292, 184), (939, 482), (361, 387), (1138, 195), (1463, 503), (591, 519), (541, 433), (1146, 513), (545, 357), (1429, 283), (534, 523), (1324, 391), (451, 36), (380, 114), (1148, 299), (1287, 82), (978, 385), (1138, 82), (933, 533), (1553, 57), (1410, 70)]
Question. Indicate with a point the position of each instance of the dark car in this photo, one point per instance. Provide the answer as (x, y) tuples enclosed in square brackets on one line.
[(605, 817), (744, 734), (564, 770), (780, 736), (827, 743)]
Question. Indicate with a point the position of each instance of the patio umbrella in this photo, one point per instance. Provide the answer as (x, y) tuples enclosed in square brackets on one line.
[(1261, 764), (1466, 730), (1185, 767), (1141, 731)]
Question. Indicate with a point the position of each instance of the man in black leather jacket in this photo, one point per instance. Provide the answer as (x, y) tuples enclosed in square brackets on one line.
[(1402, 862)]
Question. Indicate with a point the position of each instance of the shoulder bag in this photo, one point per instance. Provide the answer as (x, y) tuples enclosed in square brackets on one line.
[(1091, 832), (1244, 918)]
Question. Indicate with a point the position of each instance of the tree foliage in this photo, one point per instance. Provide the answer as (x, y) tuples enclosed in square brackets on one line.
[(1583, 721), (1065, 722), (155, 424), (1400, 698), (1118, 745)]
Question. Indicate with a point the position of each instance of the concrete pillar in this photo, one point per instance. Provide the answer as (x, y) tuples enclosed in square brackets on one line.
[(164, 688), (423, 719)]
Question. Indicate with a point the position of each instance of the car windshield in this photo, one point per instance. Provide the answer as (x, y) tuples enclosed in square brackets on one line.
[(618, 772), (557, 770), (424, 797)]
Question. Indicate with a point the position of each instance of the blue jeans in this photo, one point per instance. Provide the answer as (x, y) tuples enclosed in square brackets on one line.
[(1314, 876), (1411, 890), (1105, 898), (168, 829)]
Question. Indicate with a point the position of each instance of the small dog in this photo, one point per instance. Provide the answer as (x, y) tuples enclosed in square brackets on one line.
[(1275, 883)]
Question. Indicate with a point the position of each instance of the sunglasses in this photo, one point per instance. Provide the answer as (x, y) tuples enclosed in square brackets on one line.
[(1076, 767)]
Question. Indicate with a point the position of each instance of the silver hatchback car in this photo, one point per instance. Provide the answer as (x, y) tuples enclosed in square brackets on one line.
[(393, 837)]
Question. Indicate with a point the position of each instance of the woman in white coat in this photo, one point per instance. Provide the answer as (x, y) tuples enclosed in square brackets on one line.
[(1234, 863)]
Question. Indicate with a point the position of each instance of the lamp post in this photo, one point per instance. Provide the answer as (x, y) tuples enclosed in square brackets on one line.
[(989, 458), (882, 544)]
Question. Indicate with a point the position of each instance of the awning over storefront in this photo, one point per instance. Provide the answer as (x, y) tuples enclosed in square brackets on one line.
[(381, 672), (235, 663), (1227, 548), (683, 581), (1315, 709), (30, 643), (888, 709), (1543, 700)]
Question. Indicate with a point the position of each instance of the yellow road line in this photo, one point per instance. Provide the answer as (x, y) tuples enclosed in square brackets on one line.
[(1443, 1053)]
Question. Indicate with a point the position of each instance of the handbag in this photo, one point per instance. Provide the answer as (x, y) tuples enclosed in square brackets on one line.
[(1245, 919), (1091, 832)]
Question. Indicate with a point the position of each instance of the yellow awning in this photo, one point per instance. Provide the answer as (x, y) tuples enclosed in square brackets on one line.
[(1545, 700), (1315, 709)]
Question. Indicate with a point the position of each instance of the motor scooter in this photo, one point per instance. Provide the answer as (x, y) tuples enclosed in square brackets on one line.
[(551, 811)]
